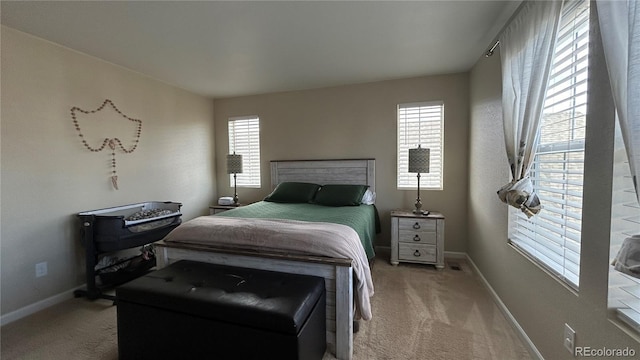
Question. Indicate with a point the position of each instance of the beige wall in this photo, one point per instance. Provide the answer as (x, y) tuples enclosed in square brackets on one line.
[(48, 176), (358, 121), (539, 303)]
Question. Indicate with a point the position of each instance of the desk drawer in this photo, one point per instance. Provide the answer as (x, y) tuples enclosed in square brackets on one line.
[(417, 252)]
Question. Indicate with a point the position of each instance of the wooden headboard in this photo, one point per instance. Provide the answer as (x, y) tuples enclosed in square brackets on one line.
[(344, 171)]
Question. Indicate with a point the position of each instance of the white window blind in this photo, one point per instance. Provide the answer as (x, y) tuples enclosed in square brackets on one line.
[(244, 139), (552, 237), (624, 290), (420, 124)]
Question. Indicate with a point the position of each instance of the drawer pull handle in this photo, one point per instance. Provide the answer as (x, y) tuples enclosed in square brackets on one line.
[(416, 238), (416, 226), (416, 253)]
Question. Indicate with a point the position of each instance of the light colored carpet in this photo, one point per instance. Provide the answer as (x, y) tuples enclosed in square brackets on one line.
[(419, 313), (75, 329), (423, 313)]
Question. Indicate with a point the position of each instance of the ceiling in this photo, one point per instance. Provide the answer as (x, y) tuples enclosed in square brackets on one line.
[(223, 49)]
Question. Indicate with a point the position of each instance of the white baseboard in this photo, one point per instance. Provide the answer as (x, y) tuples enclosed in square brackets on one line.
[(56, 299), (34, 308), (519, 330), (455, 255)]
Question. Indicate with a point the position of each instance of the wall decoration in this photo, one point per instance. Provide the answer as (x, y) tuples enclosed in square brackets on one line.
[(112, 143)]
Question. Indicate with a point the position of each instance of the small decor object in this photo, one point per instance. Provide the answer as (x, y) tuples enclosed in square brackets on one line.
[(113, 143), (234, 166), (419, 163), (627, 260)]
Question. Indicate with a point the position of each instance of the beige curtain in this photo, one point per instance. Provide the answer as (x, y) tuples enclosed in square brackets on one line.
[(526, 51)]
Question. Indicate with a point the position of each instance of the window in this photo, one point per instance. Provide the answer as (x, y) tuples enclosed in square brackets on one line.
[(244, 139), (552, 237), (624, 290), (420, 124)]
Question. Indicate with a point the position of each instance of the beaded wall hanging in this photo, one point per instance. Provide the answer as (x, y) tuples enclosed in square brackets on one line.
[(112, 143)]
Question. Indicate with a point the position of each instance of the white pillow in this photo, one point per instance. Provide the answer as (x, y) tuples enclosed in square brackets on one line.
[(369, 197)]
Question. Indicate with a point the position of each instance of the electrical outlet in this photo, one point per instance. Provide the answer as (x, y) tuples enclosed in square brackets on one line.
[(569, 339), (41, 269)]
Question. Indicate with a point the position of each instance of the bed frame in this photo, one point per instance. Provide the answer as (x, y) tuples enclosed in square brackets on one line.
[(338, 273)]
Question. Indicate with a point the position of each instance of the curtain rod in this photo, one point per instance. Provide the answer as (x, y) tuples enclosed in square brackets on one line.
[(490, 52), (496, 40)]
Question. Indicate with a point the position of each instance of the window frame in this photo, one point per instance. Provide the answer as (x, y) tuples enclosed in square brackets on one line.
[(247, 144), (434, 140), (552, 238), (623, 295)]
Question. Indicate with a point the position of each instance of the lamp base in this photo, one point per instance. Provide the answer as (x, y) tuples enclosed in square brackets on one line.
[(418, 210), (235, 190)]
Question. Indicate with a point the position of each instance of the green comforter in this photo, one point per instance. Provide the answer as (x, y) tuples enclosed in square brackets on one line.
[(363, 219)]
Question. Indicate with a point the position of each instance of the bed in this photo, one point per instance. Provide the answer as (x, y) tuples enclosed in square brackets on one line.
[(345, 270), (363, 219)]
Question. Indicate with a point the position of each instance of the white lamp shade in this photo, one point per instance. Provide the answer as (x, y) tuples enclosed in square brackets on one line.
[(234, 164), (419, 160)]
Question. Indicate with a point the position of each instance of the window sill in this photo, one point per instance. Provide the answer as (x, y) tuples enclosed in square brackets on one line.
[(540, 266), (421, 188), (625, 323), (629, 317)]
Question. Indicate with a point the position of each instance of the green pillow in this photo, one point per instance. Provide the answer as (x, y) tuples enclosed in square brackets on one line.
[(340, 195), (293, 192)]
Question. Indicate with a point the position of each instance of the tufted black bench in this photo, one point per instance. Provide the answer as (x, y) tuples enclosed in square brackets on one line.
[(193, 310)]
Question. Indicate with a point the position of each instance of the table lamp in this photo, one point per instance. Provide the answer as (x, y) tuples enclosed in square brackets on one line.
[(234, 166), (419, 163)]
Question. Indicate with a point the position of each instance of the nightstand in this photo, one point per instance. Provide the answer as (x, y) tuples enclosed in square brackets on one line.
[(216, 209), (417, 238)]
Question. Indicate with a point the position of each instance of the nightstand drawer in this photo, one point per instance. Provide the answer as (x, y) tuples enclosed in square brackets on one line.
[(417, 237), (216, 209), (417, 231), (417, 252), (421, 225)]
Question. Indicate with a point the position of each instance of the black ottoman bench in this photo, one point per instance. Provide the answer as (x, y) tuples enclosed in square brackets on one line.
[(193, 310)]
